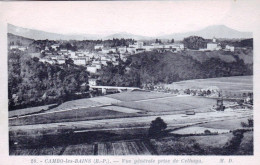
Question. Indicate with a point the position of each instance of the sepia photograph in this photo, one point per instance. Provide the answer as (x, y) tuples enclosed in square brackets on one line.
[(130, 78)]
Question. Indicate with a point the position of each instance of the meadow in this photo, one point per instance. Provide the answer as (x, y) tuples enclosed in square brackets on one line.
[(68, 116), (229, 84), (138, 95), (172, 104)]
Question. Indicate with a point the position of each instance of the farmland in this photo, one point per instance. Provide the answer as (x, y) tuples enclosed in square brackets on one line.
[(67, 116), (138, 95), (228, 84), (173, 104), (191, 145), (118, 124)]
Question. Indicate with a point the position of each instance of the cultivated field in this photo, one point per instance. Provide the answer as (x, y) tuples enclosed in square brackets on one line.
[(138, 95), (228, 84), (172, 104), (25, 111), (226, 124), (188, 145), (68, 116), (135, 147), (199, 130), (192, 145)]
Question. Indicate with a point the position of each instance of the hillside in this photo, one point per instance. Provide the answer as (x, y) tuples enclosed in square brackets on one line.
[(153, 68), (245, 55), (18, 40)]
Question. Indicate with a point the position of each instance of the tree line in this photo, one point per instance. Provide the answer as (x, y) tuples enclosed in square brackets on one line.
[(32, 83)]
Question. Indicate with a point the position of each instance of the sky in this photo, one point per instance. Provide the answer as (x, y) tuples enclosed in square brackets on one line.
[(147, 18)]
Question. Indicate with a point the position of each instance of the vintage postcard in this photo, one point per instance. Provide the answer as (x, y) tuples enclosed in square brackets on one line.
[(129, 82)]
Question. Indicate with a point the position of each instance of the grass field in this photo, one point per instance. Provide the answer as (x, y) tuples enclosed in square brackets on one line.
[(84, 103), (210, 141), (138, 95), (79, 149), (121, 109), (246, 147), (226, 124), (42, 151), (191, 145), (67, 116), (232, 84), (172, 104), (199, 130), (135, 147), (25, 111)]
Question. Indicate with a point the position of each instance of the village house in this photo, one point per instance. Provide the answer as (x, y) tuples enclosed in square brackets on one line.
[(61, 61), (213, 45), (79, 61), (98, 46), (230, 48), (47, 60), (122, 49), (55, 46), (92, 69), (92, 82), (13, 47), (148, 47), (21, 48)]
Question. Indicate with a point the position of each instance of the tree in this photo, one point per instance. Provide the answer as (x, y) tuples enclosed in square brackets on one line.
[(194, 42), (157, 127)]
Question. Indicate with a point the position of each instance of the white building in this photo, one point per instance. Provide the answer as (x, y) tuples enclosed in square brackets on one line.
[(104, 62), (22, 48), (230, 48), (98, 46), (137, 45), (92, 81), (122, 49), (148, 47), (61, 61), (105, 50), (80, 61), (14, 47), (92, 69), (212, 46), (55, 46), (157, 45), (177, 46), (98, 66), (48, 60)]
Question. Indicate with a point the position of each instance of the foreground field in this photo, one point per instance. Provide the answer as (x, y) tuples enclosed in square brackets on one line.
[(191, 145)]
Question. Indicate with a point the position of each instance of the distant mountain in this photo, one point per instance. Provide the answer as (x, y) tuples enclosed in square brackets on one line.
[(42, 35), (218, 31), (127, 35)]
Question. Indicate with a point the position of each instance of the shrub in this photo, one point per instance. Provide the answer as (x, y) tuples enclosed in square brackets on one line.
[(157, 127), (207, 131)]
